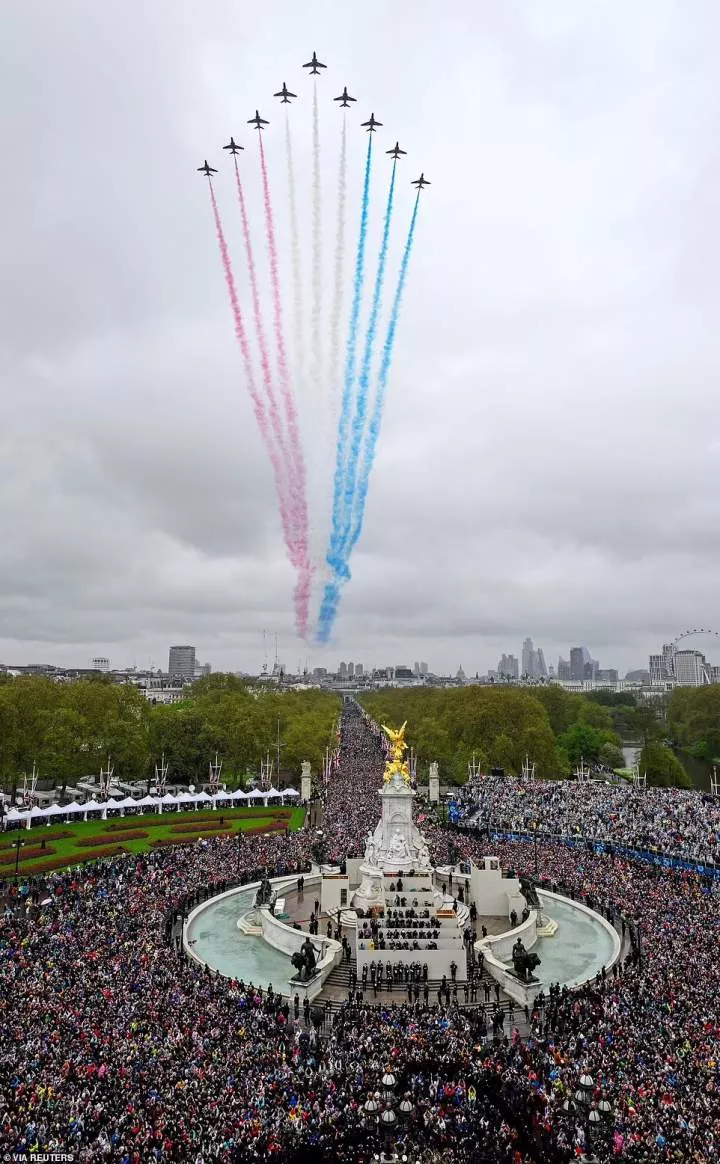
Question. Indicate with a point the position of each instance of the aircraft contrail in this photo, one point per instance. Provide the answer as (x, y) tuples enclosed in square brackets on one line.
[(336, 314), (257, 403), (331, 597), (259, 327), (373, 432), (298, 322), (333, 555), (297, 462), (317, 249), (361, 402)]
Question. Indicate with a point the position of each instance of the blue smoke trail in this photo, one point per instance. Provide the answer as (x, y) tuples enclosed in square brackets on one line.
[(376, 419), (331, 597), (350, 361), (361, 404)]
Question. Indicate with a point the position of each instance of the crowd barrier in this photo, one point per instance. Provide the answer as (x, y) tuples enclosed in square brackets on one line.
[(601, 846)]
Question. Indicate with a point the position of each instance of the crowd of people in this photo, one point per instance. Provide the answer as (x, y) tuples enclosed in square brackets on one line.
[(113, 1046), (674, 821)]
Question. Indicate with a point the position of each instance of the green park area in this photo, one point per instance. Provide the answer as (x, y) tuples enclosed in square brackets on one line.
[(46, 848)]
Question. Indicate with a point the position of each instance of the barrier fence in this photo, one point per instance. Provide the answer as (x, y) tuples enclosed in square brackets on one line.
[(599, 846)]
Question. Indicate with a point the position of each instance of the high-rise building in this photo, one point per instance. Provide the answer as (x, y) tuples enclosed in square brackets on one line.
[(607, 675), (579, 656), (182, 663), (528, 658), (590, 669), (343, 670), (691, 669), (540, 664), (100, 663), (320, 673), (423, 669), (508, 667), (351, 670), (359, 670), (563, 669)]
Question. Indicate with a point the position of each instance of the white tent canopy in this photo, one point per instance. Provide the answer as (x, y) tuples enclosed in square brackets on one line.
[(168, 798), (272, 792), (291, 792), (147, 802), (239, 795), (256, 794)]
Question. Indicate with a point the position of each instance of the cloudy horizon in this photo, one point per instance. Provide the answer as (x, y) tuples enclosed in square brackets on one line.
[(550, 453)]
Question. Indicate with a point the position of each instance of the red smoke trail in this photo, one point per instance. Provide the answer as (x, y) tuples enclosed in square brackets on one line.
[(275, 419), (297, 462), (257, 403)]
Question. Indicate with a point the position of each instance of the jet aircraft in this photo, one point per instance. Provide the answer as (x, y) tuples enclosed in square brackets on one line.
[(284, 95), (420, 182), (206, 169), (372, 124), (258, 121), (233, 147), (396, 152), (314, 65), (345, 98)]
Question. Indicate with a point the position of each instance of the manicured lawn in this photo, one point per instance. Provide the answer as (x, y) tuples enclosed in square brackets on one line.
[(64, 839)]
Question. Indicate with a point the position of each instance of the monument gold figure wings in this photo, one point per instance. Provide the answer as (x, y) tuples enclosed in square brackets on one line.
[(396, 765)]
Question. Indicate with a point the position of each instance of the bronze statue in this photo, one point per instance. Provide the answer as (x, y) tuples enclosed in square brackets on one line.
[(264, 894), (305, 962), (529, 892), (524, 961)]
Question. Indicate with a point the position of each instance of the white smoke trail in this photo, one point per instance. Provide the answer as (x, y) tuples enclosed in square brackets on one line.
[(298, 322), (317, 251), (336, 314)]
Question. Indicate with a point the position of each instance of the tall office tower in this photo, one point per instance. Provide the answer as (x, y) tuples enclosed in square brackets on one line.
[(181, 664), (100, 663), (540, 664), (563, 669), (579, 656), (351, 670), (590, 669), (691, 669), (359, 670), (508, 667), (528, 658), (416, 669), (424, 670), (343, 670)]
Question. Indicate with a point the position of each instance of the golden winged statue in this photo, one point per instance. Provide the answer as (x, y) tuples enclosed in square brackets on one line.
[(395, 765)]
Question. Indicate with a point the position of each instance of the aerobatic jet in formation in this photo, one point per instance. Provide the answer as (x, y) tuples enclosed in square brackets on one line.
[(396, 152), (233, 147), (206, 170), (372, 124), (257, 121), (420, 182), (314, 65), (345, 98), (284, 95)]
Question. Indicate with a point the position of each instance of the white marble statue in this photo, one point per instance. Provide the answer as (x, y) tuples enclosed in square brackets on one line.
[(423, 852), (398, 846), (370, 849)]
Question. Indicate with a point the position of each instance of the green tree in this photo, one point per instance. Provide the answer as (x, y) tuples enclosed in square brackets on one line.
[(663, 767)]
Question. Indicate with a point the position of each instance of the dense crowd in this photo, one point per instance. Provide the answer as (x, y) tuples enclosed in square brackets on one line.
[(674, 821), (113, 1046)]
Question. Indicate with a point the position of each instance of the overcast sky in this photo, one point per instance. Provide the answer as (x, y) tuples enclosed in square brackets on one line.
[(550, 458)]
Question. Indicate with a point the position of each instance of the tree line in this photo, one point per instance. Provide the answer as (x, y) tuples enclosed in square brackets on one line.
[(500, 726), (69, 729)]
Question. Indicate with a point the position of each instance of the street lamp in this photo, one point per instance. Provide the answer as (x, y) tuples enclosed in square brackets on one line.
[(389, 1081), (388, 1119), (18, 845)]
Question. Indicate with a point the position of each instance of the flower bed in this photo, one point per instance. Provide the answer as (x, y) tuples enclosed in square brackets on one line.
[(163, 842), (36, 867), (26, 854), (128, 835), (47, 835)]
